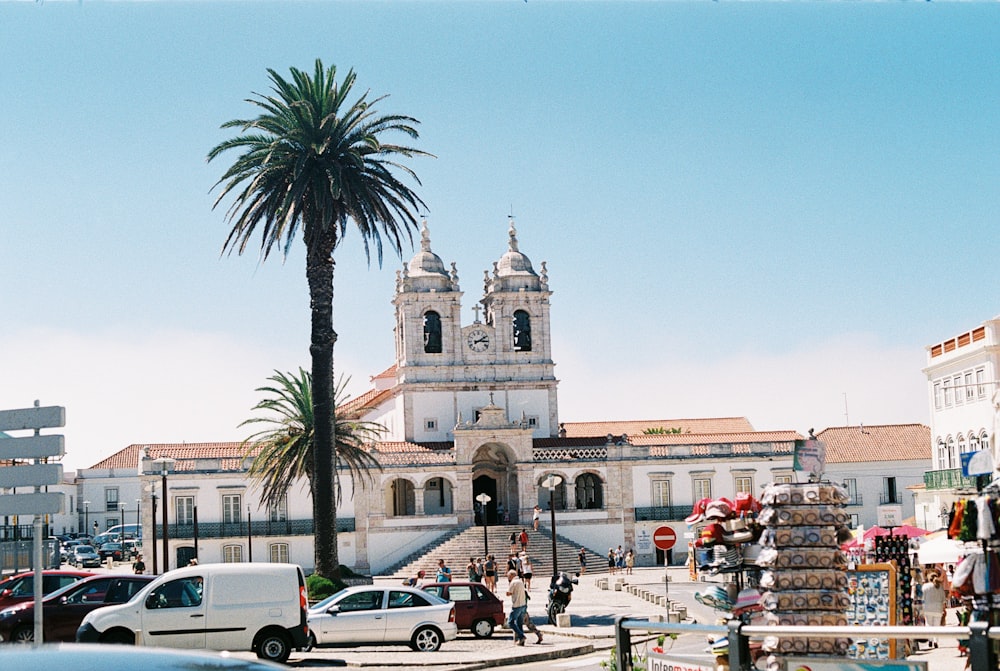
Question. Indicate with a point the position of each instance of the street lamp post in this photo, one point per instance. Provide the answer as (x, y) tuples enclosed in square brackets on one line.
[(152, 546), (249, 538), (86, 517), (483, 499), (165, 463), (138, 524), (551, 483)]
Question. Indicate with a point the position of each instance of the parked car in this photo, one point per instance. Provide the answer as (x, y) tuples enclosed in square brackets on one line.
[(257, 607), (64, 609), (477, 609), (67, 549), (113, 550), (372, 615), (85, 555), (132, 548), (21, 587)]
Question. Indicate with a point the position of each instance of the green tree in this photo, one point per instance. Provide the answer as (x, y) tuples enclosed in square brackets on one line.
[(283, 451), (313, 160)]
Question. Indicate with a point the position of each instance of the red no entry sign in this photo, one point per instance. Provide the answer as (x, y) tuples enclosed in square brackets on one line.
[(664, 538)]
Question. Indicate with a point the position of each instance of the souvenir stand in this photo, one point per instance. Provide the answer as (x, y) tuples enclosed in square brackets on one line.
[(726, 549), (872, 592), (805, 583), (975, 520)]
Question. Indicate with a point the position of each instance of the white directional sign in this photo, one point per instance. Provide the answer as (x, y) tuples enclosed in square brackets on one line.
[(32, 418), (35, 503), (31, 475), (27, 448), (32, 447)]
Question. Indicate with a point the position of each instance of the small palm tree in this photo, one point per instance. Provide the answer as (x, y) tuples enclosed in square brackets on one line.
[(312, 161), (282, 453)]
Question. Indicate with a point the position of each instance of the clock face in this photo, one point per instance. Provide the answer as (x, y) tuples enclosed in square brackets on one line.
[(478, 340)]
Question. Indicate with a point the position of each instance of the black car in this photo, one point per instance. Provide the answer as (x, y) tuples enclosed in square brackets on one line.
[(113, 550)]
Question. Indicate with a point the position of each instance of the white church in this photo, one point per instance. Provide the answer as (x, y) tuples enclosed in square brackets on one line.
[(470, 409)]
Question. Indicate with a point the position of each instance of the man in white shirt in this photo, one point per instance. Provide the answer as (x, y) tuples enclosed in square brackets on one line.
[(518, 606)]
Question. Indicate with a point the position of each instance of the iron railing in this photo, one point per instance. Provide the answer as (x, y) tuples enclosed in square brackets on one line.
[(259, 528), (949, 478), (979, 634), (662, 513)]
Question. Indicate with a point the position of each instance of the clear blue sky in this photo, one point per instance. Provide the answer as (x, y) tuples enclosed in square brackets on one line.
[(747, 209)]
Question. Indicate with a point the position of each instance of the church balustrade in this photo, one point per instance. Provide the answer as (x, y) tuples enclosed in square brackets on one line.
[(661, 513), (571, 454), (260, 528)]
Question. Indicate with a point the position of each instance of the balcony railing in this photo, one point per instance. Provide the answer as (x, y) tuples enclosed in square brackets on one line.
[(662, 513), (258, 528), (950, 478), (855, 500)]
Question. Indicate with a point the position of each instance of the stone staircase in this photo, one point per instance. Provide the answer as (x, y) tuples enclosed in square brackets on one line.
[(457, 549)]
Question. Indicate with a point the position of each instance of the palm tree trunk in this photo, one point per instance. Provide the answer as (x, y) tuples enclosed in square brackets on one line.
[(319, 272)]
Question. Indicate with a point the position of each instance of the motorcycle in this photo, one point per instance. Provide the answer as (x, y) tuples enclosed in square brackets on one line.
[(560, 593)]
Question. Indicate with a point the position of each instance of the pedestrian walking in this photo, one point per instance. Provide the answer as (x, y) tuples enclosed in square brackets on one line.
[(139, 566), (583, 560), (513, 542), (535, 516), (629, 562), (471, 571), (934, 603), (490, 573), (518, 606), (526, 571), (443, 572), (523, 539)]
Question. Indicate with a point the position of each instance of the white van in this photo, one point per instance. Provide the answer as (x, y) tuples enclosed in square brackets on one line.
[(257, 607)]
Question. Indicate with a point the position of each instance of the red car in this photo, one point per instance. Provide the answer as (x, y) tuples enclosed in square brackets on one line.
[(21, 587), (476, 608), (63, 610)]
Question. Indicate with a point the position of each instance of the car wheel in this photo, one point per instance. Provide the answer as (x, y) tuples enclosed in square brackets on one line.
[(273, 646), (118, 637), (23, 634), (426, 639), (482, 628)]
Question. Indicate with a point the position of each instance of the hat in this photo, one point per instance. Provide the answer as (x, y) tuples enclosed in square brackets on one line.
[(698, 512), (746, 504), (736, 531), (719, 509)]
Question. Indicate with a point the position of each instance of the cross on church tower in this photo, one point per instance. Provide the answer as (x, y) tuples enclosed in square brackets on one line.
[(476, 309)]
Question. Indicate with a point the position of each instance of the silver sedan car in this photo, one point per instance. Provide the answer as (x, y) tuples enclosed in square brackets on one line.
[(372, 615)]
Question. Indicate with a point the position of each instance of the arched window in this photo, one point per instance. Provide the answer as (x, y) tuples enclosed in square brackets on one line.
[(432, 332), (952, 456), (522, 331), (403, 499), (589, 492)]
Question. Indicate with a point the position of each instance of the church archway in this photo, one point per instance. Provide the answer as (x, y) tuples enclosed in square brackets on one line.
[(494, 473), (485, 484)]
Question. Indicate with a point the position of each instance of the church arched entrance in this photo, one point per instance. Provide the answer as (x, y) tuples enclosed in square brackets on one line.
[(494, 474), (485, 484)]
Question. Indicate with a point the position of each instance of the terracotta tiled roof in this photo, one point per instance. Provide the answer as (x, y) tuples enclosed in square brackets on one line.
[(369, 399), (637, 426), (129, 457), (399, 453), (388, 372), (740, 438), (584, 441), (886, 442)]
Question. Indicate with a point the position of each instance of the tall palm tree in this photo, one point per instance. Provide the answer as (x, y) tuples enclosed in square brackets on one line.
[(314, 160), (283, 452)]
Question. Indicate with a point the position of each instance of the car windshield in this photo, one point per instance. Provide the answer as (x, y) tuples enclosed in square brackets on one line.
[(325, 603), (83, 548)]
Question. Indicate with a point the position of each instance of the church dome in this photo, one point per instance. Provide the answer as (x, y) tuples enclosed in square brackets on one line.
[(513, 271), (426, 270)]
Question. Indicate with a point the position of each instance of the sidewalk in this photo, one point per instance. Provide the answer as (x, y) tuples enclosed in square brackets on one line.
[(593, 612)]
